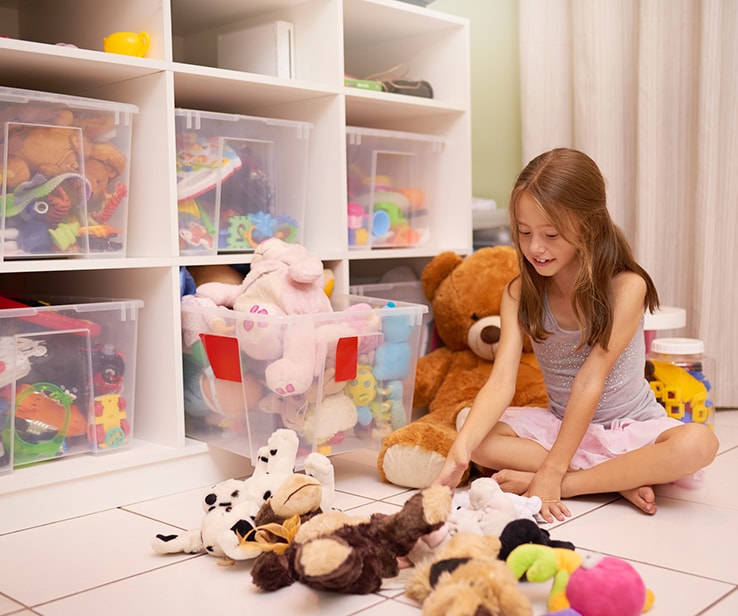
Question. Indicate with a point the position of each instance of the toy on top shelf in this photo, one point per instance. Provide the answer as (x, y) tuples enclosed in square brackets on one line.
[(127, 43), (64, 171)]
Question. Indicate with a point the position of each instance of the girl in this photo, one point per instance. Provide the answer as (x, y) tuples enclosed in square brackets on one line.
[(580, 297)]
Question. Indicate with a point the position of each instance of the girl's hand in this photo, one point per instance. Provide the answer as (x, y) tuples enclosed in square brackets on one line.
[(457, 461), (547, 486)]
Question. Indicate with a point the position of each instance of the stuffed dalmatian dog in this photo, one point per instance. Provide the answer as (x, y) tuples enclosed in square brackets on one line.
[(233, 504)]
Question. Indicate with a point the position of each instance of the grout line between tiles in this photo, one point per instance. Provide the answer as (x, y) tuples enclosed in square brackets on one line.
[(718, 601), (117, 580), (152, 518)]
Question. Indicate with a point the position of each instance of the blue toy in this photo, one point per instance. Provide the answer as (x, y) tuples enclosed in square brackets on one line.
[(393, 356)]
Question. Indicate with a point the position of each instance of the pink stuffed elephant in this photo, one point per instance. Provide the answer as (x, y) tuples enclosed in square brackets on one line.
[(284, 279)]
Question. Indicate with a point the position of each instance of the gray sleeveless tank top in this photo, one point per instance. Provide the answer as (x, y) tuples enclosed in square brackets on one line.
[(626, 395)]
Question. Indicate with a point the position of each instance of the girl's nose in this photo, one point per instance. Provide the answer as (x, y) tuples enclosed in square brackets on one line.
[(537, 245)]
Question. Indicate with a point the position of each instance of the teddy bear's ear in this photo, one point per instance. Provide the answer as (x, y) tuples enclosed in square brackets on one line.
[(437, 270)]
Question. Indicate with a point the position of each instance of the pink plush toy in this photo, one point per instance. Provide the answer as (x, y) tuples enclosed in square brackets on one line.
[(605, 586), (286, 275), (283, 275), (284, 280)]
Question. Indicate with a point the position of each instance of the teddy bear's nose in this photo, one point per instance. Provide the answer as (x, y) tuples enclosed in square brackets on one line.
[(491, 334)]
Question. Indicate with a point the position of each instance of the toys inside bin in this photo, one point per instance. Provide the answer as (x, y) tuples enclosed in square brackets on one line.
[(67, 378), (391, 187), (358, 363), (680, 375), (64, 168), (238, 182)]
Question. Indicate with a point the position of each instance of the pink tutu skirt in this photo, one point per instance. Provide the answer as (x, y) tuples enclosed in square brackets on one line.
[(600, 442)]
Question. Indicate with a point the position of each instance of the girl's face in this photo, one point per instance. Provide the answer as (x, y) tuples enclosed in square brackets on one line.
[(540, 242)]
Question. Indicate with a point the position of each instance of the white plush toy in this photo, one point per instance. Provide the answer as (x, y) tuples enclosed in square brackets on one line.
[(226, 506), (480, 509), (484, 509), (232, 505)]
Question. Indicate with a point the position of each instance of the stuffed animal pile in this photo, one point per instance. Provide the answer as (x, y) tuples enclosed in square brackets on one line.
[(465, 295), (284, 523)]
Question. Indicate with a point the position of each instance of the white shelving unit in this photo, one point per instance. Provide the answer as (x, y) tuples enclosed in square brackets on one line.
[(332, 37)]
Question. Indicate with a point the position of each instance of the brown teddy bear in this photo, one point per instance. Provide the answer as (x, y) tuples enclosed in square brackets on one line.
[(338, 552), (465, 296), (466, 577)]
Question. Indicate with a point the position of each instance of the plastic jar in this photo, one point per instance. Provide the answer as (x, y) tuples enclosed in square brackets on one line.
[(680, 375)]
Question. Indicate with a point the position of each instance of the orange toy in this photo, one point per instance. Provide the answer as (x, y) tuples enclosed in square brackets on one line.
[(40, 407)]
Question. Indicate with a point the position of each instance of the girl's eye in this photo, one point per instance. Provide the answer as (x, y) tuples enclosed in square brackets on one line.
[(523, 232), (552, 236)]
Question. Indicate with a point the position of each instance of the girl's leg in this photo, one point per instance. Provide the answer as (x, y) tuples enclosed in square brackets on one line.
[(677, 453), (503, 448)]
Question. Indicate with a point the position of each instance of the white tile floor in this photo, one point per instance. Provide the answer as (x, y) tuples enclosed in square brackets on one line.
[(102, 563)]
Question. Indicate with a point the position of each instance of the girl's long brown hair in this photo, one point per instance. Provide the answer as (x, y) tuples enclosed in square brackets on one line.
[(569, 189)]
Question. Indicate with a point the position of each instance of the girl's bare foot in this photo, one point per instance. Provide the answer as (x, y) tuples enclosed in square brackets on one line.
[(643, 498), (516, 482)]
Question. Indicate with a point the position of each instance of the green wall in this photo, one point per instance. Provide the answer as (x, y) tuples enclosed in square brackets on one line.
[(495, 93)]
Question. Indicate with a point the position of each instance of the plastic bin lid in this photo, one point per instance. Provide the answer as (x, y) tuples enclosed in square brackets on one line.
[(18, 96)]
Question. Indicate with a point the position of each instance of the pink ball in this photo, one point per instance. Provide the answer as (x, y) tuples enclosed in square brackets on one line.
[(606, 587)]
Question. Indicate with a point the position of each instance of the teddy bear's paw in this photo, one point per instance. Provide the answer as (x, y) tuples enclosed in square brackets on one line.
[(272, 571), (411, 466), (329, 563)]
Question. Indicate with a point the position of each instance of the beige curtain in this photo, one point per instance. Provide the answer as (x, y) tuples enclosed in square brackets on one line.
[(649, 89)]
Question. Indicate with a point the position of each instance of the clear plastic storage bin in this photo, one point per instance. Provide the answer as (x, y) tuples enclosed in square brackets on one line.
[(392, 190), (410, 291), (681, 376), (240, 180), (67, 377), (64, 162), (342, 380)]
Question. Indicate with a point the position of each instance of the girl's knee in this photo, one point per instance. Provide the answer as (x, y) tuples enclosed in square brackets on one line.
[(700, 443)]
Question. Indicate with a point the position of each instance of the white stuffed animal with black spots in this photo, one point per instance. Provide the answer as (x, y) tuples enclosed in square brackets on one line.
[(227, 506), (232, 505)]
